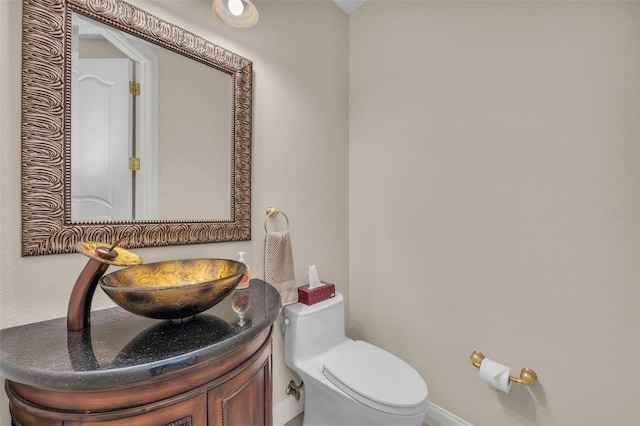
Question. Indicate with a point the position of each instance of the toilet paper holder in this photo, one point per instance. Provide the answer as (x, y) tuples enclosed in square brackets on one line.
[(527, 375)]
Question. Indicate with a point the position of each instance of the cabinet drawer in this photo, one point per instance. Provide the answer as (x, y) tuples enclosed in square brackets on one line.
[(192, 412)]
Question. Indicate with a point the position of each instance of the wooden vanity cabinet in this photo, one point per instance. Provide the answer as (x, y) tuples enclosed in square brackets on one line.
[(230, 389)]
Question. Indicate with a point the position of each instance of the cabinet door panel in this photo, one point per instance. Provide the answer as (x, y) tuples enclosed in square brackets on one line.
[(243, 400)]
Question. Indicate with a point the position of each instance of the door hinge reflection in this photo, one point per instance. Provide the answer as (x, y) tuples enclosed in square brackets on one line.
[(134, 88), (134, 164)]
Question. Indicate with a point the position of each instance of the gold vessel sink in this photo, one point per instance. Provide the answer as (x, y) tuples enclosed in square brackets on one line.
[(175, 289)]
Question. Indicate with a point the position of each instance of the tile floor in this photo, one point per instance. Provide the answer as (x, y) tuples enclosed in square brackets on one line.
[(296, 421)]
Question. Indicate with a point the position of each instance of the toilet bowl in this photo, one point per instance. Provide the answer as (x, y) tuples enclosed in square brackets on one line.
[(348, 382)]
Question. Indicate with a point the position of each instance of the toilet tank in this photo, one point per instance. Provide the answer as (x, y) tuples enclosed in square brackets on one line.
[(312, 330)]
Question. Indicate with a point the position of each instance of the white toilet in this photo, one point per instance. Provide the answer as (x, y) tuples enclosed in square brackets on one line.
[(347, 382)]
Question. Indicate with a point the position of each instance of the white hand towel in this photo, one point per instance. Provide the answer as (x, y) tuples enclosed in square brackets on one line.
[(278, 265)]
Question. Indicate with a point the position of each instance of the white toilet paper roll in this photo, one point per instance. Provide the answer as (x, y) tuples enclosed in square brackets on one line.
[(495, 374)]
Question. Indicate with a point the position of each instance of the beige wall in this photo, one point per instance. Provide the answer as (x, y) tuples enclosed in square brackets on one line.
[(494, 157), (300, 155), (194, 118), (493, 180)]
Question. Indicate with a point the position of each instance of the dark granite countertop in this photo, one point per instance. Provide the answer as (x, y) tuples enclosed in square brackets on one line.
[(121, 347)]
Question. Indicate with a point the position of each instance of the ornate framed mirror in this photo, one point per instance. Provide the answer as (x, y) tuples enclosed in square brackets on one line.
[(54, 185)]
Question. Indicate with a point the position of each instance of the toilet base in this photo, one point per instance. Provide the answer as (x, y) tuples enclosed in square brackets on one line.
[(326, 405)]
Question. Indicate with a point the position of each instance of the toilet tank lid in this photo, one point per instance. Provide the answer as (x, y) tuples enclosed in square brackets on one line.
[(376, 378), (302, 310)]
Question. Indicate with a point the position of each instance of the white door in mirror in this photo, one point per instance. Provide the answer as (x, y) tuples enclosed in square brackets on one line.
[(101, 187)]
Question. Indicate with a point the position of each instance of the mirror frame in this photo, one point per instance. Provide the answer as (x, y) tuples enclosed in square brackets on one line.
[(47, 227)]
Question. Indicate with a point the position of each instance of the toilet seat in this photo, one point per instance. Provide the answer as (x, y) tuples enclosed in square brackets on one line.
[(376, 378)]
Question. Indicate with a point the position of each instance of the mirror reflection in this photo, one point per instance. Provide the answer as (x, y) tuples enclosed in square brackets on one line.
[(150, 130), (168, 165)]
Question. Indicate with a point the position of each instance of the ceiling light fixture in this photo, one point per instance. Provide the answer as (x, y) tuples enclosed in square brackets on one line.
[(237, 13)]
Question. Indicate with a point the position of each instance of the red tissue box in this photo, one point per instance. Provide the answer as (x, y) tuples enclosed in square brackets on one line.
[(315, 295)]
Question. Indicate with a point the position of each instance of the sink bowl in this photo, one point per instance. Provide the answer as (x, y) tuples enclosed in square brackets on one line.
[(174, 289)]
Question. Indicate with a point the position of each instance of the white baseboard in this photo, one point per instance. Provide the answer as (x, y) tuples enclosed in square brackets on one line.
[(289, 408), (438, 416), (286, 410)]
